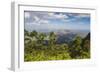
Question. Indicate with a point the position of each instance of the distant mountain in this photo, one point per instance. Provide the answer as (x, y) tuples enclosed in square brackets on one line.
[(67, 36)]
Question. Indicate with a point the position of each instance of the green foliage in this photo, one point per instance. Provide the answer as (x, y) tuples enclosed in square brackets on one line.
[(33, 34), (40, 38), (77, 51), (26, 32), (36, 49), (52, 38), (78, 40), (41, 55)]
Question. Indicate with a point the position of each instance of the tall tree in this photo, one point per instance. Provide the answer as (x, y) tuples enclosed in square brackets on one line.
[(52, 38), (86, 46), (75, 49)]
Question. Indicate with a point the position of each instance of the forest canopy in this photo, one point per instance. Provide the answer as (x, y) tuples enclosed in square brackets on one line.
[(40, 46)]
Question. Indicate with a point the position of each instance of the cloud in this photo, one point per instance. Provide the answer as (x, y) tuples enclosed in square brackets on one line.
[(36, 18), (27, 15), (55, 20), (43, 21), (79, 15), (38, 21), (56, 16), (44, 17), (59, 16), (83, 15)]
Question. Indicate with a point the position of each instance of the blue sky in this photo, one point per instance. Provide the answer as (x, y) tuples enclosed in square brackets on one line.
[(35, 20)]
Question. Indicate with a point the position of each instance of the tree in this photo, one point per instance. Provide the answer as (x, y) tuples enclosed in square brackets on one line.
[(77, 41), (30, 44), (75, 49), (41, 37), (86, 43), (86, 46), (52, 38), (33, 34), (26, 33), (64, 47)]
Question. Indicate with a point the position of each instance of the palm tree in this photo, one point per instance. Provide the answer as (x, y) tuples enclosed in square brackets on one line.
[(41, 37), (30, 36), (30, 40)]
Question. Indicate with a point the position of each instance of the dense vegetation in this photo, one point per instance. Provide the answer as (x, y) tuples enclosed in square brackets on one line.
[(41, 47)]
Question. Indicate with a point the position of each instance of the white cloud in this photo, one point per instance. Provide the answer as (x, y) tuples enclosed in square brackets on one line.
[(44, 21), (39, 22), (79, 15), (27, 15), (83, 15), (56, 16), (61, 16), (50, 14), (36, 18)]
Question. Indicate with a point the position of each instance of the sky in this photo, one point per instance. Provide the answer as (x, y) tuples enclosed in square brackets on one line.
[(36, 20)]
